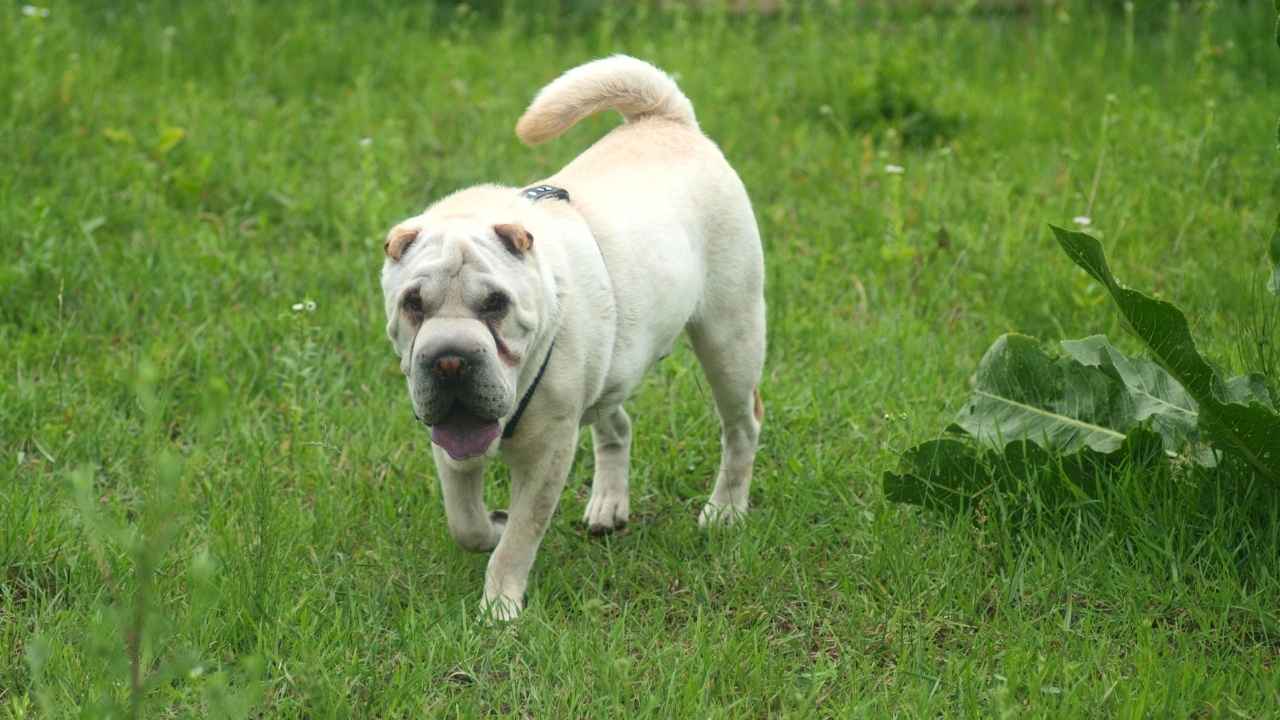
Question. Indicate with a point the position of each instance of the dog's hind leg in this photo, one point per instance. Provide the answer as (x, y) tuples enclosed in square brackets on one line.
[(610, 506), (730, 344), (462, 484)]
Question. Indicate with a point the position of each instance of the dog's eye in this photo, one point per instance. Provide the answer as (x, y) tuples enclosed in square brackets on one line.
[(413, 305), (495, 304)]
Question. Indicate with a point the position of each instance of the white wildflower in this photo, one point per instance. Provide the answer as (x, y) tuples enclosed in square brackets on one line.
[(1082, 220), (304, 306), (894, 169), (366, 142), (35, 11)]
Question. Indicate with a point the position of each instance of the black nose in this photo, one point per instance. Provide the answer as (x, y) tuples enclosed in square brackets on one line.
[(449, 366)]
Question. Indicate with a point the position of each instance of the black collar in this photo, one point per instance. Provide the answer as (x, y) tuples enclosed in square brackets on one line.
[(510, 429), (543, 192)]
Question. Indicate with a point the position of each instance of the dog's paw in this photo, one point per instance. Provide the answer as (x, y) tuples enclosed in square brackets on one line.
[(606, 513), (500, 609), (717, 515)]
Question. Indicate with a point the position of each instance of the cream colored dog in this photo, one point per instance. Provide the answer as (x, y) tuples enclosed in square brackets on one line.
[(547, 306)]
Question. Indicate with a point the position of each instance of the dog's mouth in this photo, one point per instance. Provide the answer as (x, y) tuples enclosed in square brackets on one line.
[(463, 434)]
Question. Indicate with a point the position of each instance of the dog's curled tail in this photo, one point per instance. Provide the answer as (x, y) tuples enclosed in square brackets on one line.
[(632, 87)]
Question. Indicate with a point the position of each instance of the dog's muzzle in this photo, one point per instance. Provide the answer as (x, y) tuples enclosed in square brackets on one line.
[(456, 393)]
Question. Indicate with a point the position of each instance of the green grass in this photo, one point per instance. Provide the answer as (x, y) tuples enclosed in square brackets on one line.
[(175, 177)]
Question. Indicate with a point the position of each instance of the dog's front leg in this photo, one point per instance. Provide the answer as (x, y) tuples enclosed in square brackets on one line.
[(462, 484), (539, 468)]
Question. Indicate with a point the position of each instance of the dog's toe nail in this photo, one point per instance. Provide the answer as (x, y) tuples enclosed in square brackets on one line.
[(498, 516), (596, 530)]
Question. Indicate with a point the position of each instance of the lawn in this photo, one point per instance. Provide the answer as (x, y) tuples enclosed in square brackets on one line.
[(215, 501)]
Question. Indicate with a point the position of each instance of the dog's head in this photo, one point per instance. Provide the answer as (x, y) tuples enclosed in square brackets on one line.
[(465, 301)]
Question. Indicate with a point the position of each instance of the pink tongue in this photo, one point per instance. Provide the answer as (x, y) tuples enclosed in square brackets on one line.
[(464, 435)]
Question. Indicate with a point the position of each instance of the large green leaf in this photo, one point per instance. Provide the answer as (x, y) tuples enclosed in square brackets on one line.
[(1157, 398), (944, 474), (1250, 430), (953, 475), (1021, 393), (1091, 397)]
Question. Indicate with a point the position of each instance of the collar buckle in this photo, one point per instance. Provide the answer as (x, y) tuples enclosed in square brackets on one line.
[(543, 192)]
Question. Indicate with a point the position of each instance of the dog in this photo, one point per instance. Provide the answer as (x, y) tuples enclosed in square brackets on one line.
[(520, 315)]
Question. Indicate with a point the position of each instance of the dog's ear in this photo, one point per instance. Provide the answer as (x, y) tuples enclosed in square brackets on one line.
[(399, 240), (515, 237)]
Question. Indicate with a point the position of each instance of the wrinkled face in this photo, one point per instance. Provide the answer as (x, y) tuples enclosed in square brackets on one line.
[(463, 301)]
